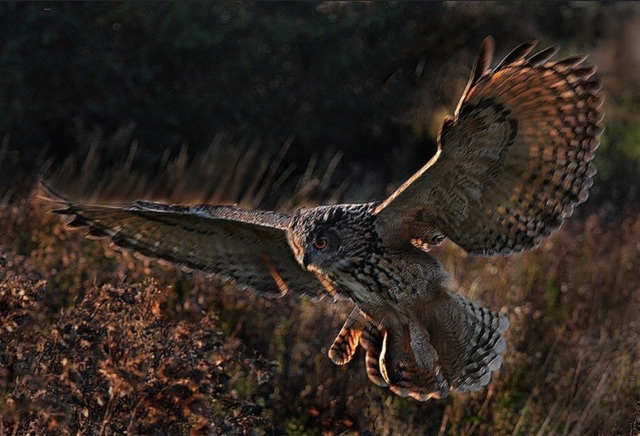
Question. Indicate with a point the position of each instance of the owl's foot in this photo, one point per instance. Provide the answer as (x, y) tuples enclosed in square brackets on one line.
[(395, 358), (414, 382), (405, 345), (421, 384), (371, 341)]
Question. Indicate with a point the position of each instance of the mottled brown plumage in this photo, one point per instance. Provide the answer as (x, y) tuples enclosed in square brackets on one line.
[(512, 163), (515, 159)]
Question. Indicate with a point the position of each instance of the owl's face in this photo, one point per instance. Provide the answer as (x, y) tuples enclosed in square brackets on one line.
[(328, 239)]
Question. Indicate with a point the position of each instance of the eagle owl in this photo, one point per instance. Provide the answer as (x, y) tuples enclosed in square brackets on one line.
[(512, 162)]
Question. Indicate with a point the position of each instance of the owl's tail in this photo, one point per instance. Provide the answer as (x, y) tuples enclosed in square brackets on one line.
[(454, 344), (468, 339)]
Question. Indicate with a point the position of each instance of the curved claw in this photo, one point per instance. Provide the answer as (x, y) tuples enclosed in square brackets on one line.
[(371, 340), (394, 358), (410, 380)]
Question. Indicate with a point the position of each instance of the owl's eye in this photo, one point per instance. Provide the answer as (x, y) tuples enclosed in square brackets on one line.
[(320, 243)]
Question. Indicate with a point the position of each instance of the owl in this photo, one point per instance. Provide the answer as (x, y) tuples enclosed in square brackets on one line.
[(512, 163)]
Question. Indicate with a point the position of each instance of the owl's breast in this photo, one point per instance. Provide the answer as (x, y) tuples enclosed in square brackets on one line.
[(361, 294), (376, 298)]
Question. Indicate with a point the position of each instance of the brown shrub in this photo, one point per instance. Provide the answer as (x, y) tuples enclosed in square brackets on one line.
[(115, 362), (94, 340)]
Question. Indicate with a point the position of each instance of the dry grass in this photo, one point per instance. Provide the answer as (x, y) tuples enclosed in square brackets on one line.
[(98, 342), (249, 173)]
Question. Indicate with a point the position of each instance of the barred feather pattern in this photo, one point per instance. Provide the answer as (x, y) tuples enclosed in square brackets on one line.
[(346, 343), (469, 341), (371, 341), (212, 239), (513, 162), (467, 361)]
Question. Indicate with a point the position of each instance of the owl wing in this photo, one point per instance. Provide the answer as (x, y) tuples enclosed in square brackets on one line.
[(247, 247), (513, 161)]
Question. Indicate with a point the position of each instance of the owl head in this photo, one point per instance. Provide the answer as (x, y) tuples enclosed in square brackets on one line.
[(329, 239)]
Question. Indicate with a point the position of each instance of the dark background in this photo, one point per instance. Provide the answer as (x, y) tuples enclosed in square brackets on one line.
[(370, 81)]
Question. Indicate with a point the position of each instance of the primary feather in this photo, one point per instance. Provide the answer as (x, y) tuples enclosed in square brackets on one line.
[(247, 247), (512, 163)]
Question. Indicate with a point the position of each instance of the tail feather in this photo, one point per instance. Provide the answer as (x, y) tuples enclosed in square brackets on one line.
[(469, 343), (466, 341)]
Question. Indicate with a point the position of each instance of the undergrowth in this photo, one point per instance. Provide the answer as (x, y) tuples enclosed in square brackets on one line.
[(103, 342)]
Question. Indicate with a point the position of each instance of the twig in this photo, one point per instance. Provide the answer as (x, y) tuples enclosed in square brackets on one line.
[(482, 411), (133, 414), (107, 415), (445, 420), (536, 388)]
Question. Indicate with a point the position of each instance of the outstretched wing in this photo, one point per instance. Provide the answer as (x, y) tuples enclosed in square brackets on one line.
[(511, 164), (247, 247)]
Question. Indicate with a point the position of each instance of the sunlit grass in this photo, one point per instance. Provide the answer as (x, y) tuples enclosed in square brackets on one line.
[(572, 365)]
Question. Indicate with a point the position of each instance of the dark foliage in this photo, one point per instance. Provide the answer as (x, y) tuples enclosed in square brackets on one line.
[(115, 363), (369, 79)]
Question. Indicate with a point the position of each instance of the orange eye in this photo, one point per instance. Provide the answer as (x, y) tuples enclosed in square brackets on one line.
[(320, 243)]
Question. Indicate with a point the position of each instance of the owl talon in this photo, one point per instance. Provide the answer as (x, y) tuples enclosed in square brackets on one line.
[(394, 359), (393, 369)]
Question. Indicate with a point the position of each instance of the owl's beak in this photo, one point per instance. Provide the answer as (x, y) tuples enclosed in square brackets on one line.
[(306, 260)]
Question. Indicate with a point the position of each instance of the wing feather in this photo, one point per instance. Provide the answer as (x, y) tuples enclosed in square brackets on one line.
[(249, 248), (512, 163)]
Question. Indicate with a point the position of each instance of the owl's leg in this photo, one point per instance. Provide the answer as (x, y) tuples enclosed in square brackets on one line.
[(405, 343), (395, 358), (371, 340), (421, 384), (415, 382), (346, 343)]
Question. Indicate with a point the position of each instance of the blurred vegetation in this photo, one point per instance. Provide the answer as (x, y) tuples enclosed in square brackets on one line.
[(277, 105), (369, 80), (95, 339)]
